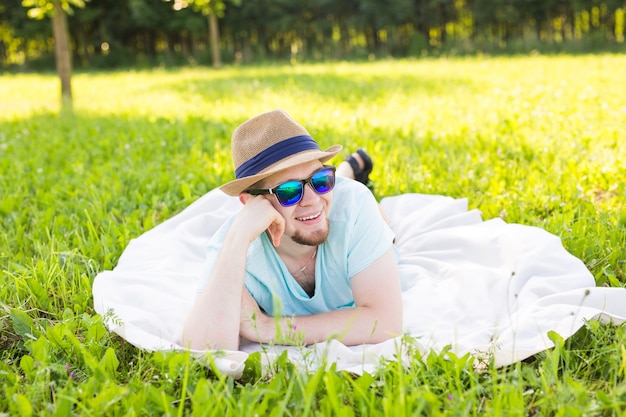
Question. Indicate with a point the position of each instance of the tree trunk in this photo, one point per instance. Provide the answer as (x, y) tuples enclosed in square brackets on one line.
[(62, 55), (214, 36)]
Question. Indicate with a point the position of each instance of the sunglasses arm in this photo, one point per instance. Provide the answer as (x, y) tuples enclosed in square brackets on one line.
[(260, 191)]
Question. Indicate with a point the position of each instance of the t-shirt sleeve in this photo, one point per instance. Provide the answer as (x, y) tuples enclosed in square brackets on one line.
[(370, 236)]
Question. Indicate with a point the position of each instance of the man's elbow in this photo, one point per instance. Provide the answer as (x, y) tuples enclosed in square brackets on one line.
[(395, 328), (387, 329), (193, 343), (200, 343)]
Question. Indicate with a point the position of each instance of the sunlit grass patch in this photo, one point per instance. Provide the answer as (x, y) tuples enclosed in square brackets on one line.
[(535, 140)]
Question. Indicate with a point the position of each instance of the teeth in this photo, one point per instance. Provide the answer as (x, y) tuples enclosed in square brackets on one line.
[(315, 216)]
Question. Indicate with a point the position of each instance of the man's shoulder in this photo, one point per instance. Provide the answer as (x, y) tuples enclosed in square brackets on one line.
[(350, 196), (346, 187)]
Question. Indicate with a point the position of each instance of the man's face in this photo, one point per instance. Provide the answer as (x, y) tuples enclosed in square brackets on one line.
[(307, 222)]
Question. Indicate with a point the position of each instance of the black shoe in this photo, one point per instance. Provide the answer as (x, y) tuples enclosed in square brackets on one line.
[(362, 175)]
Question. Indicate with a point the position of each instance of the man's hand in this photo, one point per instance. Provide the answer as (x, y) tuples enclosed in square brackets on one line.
[(253, 321), (257, 326), (257, 216)]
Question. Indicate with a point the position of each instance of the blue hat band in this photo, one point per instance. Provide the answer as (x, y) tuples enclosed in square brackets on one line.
[(275, 153)]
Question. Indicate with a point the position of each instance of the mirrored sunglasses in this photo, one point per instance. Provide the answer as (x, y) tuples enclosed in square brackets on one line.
[(290, 193)]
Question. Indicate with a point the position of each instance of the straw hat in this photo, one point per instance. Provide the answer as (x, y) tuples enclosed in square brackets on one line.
[(269, 143)]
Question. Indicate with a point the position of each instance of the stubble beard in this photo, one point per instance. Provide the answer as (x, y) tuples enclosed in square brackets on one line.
[(312, 239)]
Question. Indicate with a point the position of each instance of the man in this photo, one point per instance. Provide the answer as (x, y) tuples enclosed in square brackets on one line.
[(307, 258)]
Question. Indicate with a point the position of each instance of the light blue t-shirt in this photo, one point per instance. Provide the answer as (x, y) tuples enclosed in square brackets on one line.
[(358, 236)]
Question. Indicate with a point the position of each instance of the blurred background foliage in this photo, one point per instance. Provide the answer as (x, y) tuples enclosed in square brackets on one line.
[(145, 33)]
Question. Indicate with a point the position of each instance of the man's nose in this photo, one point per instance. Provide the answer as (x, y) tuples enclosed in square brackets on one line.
[(309, 196)]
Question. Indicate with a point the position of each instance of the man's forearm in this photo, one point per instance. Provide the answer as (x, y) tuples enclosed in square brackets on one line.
[(213, 322), (351, 326)]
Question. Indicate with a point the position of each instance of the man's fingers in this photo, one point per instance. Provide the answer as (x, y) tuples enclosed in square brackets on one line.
[(276, 231), (257, 216)]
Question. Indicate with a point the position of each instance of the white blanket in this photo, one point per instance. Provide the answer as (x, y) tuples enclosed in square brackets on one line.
[(482, 287)]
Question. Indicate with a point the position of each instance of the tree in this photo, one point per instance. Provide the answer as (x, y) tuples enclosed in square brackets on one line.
[(213, 9), (57, 9)]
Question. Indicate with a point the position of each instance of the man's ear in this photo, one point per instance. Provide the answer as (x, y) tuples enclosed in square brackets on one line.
[(244, 197)]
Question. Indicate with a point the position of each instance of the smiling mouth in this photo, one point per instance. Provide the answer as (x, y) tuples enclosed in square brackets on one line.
[(314, 216)]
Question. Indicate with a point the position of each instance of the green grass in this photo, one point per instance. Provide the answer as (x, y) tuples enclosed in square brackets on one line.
[(537, 140)]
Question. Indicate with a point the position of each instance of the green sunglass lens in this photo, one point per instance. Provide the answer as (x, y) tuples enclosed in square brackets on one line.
[(289, 193), (323, 181)]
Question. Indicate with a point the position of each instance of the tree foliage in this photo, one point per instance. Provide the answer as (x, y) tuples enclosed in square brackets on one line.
[(39, 9), (111, 33)]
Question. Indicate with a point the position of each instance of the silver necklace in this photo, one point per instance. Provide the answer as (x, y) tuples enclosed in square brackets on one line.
[(308, 262)]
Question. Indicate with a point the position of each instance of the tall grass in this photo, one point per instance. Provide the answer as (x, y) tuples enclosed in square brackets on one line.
[(536, 140)]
